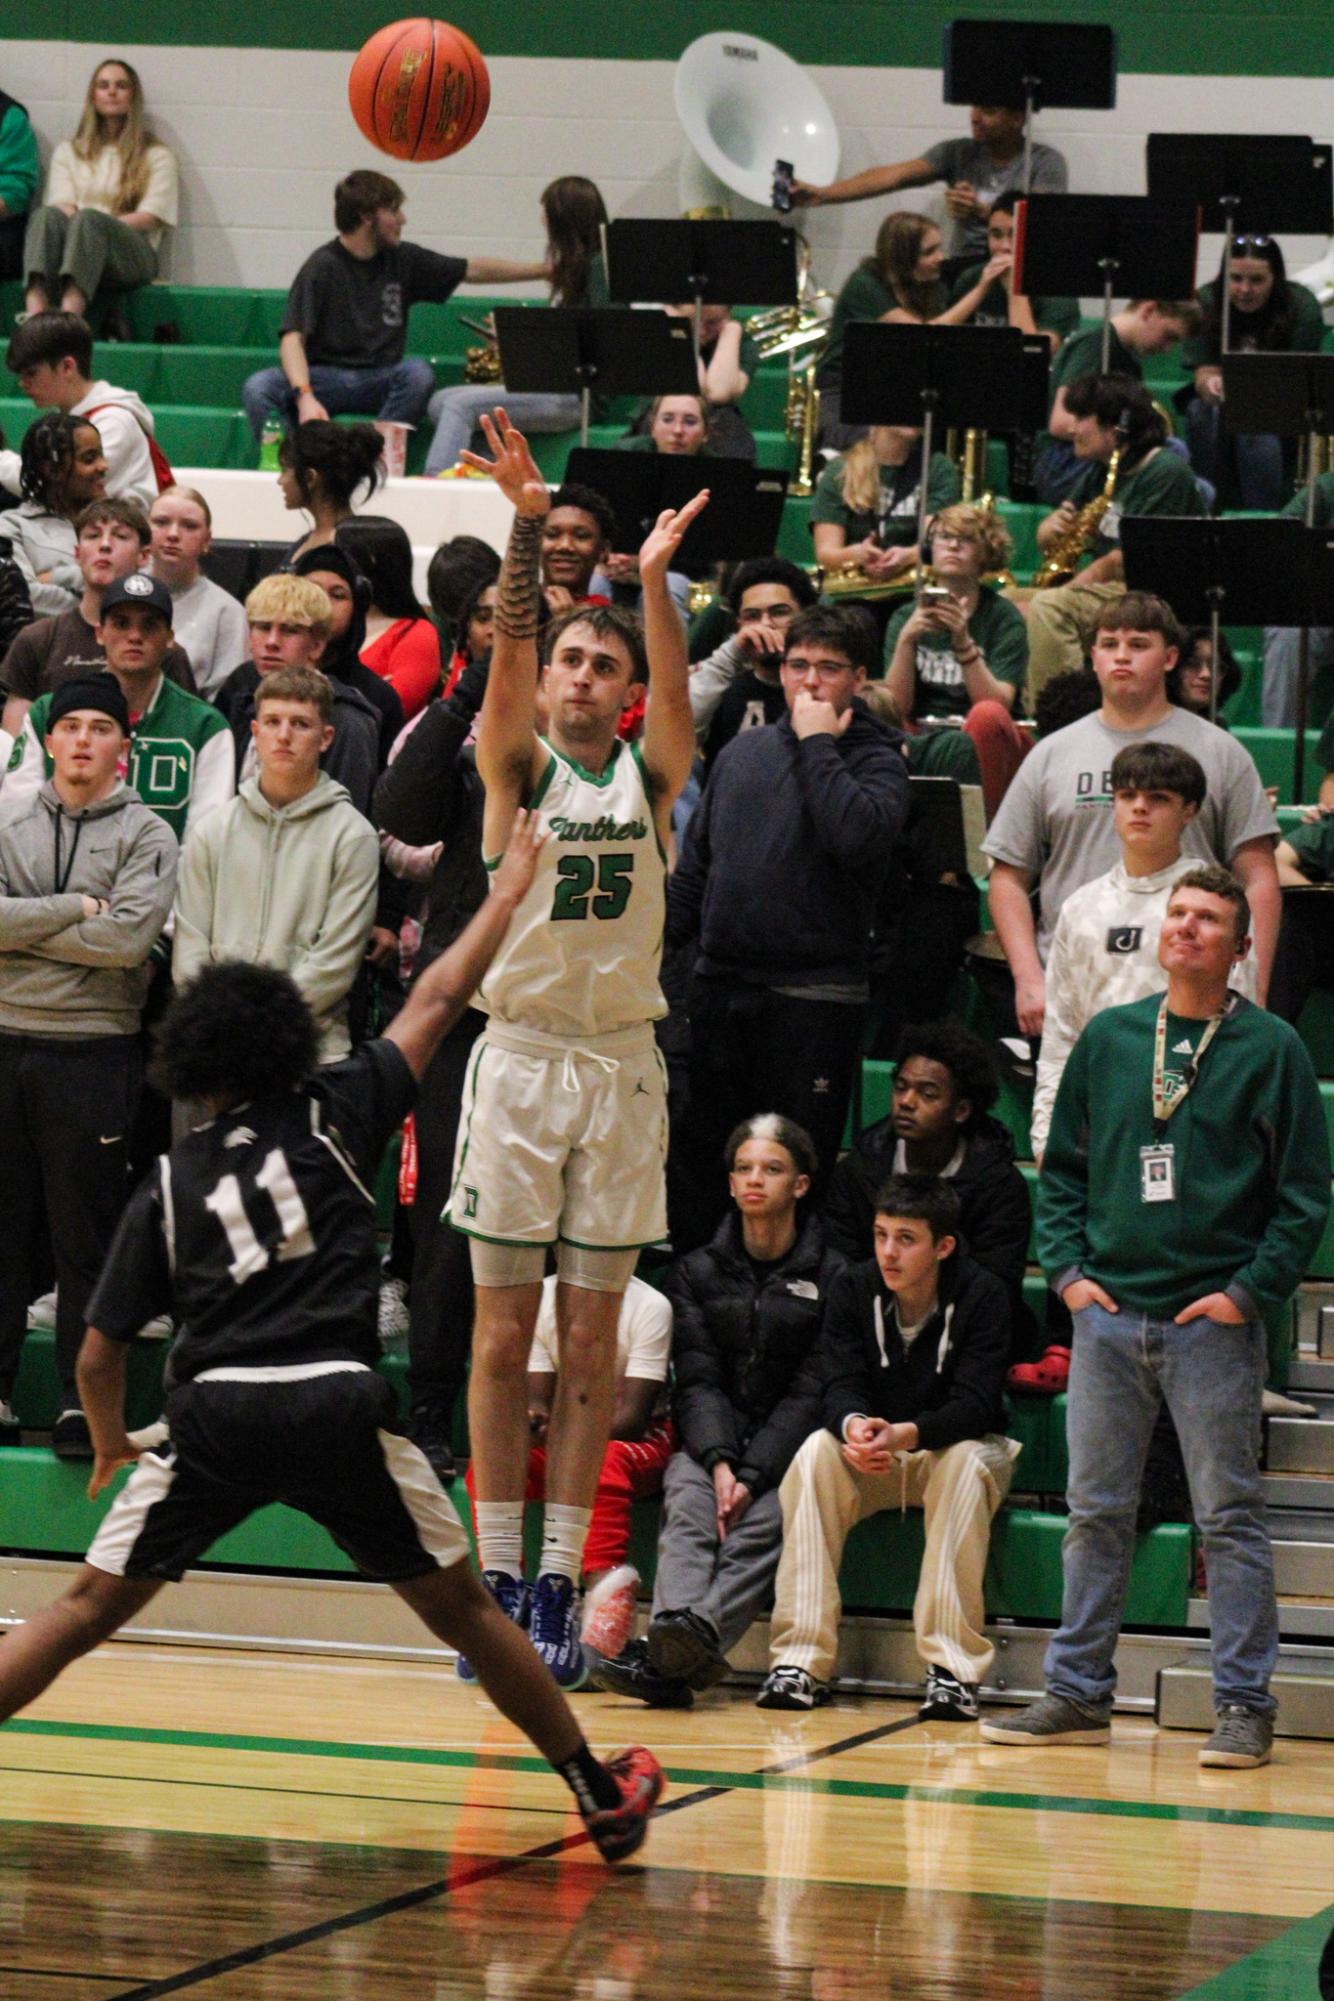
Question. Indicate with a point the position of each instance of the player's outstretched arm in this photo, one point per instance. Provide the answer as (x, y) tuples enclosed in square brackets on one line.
[(449, 983), (507, 727), (669, 726)]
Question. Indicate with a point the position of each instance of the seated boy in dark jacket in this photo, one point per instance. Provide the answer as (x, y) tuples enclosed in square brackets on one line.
[(913, 1356), (748, 1311)]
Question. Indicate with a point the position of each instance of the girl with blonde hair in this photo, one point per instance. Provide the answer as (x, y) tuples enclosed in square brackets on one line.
[(111, 194)]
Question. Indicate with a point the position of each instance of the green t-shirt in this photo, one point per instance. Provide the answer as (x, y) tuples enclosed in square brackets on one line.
[(1308, 330), (865, 296), (1313, 845), (1081, 354), (1324, 502), (1162, 484), (996, 626), (896, 522), (1058, 316)]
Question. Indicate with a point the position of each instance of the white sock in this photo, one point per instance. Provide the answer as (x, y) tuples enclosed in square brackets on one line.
[(499, 1527), (564, 1531)]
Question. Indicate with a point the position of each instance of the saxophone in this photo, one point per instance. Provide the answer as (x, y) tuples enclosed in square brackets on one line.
[(1058, 565)]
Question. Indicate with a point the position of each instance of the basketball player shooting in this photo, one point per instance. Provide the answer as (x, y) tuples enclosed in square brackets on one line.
[(257, 1231), (563, 1133)]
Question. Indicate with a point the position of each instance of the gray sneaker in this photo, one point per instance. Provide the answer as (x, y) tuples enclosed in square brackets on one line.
[(1242, 1737), (1052, 1719)]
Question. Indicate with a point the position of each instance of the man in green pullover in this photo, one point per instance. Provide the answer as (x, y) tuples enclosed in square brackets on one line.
[(1185, 1186)]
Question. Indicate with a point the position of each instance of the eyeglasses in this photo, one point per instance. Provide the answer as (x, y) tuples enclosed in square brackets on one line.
[(824, 670), (953, 535)]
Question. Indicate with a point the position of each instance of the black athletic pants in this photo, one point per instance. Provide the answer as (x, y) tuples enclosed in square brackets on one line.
[(754, 1050), (67, 1108), (440, 1300)]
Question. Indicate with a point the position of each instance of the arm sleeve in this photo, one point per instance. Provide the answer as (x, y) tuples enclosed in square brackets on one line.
[(368, 1097), (19, 172), (827, 502), (685, 900), (858, 814), (709, 682), (161, 197), (1246, 813), (1007, 655), (432, 276), (1015, 835), (20, 668), (326, 969), (841, 1361), (215, 776), (650, 1348), (135, 1285), (942, 158), (61, 186), (846, 1218), (26, 921), (416, 797), (413, 669), (976, 1393), (701, 1405), (1063, 1183), (1060, 1028), (26, 764), (140, 904), (1299, 1167), (1051, 176), (192, 932), (305, 300)]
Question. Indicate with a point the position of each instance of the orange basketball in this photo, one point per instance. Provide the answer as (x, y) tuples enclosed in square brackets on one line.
[(419, 89)]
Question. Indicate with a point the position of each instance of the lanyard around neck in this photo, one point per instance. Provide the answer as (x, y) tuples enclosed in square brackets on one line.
[(1163, 1106)]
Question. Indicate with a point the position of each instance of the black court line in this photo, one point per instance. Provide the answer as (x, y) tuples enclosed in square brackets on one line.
[(483, 1872)]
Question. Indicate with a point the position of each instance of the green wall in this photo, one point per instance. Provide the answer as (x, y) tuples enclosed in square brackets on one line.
[(1233, 38)]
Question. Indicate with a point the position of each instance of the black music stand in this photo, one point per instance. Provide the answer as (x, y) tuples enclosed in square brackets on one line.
[(1267, 183), (1030, 64), (1122, 246), (1290, 396), (1034, 400), (574, 350), (713, 263), (1267, 571), (961, 376), (742, 519)]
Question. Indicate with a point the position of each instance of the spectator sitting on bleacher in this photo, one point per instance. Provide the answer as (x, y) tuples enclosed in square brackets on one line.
[(1140, 328), (207, 620), (1283, 642), (728, 359), (289, 619), (332, 567), (452, 576), (1056, 831), (864, 508), (940, 1125), (111, 196), (1001, 305), (748, 1310), (286, 874), (913, 1357), (1191, 682), (1184, 1189), (62, 468), (779, 876), (577, 535), (20, 172), (961, 650), (343, 332), (740, 685), (638, 1449), (179, 759), (401, 644), (52, 356), (1305, 956), (111, 542), (322, 468), (73, 982)]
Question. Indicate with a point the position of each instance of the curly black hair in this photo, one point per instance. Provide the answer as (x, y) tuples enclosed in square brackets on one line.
[(236, 1032), (968, 1060), (46, 456)]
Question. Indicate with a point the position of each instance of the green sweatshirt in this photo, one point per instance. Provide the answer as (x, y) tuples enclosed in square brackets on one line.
[(1250, 1158)]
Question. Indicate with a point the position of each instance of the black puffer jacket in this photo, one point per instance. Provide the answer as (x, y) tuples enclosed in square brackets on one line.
[(743, 1349), (950, 1383), (995, 1219), (431, 792)]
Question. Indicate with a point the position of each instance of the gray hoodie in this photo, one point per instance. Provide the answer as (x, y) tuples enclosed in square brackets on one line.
[(44, 545), (288, 886), (61, 973)]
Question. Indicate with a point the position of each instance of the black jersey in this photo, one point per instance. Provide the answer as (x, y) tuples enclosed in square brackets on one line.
[(257, 1231)]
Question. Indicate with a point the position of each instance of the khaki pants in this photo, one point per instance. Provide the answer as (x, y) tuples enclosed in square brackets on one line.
[(1061, 625), (823, 1498)]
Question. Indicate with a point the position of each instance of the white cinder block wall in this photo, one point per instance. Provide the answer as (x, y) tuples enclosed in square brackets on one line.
[(262, 135)]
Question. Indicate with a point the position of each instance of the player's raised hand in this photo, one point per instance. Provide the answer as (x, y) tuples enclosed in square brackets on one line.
[(512, 466), (664, 538), (519, 861)]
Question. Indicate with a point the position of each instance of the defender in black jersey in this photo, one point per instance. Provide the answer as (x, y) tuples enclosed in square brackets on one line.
[(257, 1233)]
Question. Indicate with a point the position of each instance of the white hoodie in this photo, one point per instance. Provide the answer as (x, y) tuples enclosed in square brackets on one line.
[(124, 424)]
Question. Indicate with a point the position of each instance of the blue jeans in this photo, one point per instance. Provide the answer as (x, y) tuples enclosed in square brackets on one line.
[(1247, 470), (457, 412), (1278, 699), (398, 394), (1211, 1376)]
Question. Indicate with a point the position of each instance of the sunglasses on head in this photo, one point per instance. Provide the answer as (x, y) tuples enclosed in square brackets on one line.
[(1251, 242)]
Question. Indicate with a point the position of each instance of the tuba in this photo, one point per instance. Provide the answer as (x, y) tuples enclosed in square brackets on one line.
[(745, 105)]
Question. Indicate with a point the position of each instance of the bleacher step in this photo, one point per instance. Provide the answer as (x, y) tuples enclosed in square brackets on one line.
[(1304, 1564), (1311, 1491), (1301, 1444), (1303, 1686), (1298, 1618)]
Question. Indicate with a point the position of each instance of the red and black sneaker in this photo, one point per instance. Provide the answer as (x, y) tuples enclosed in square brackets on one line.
[(619, 1831)]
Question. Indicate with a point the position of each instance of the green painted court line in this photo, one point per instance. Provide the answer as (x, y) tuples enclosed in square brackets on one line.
[(1283, 1970), (412, 1754)]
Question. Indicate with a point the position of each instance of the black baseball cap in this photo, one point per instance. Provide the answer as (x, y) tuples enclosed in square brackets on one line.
[(90, 691), (142, 590)]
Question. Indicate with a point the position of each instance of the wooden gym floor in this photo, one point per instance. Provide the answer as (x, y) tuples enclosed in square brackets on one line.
[(261, 1826)]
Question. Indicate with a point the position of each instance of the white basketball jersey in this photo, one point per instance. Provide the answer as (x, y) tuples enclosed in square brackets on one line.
[(582, 951)]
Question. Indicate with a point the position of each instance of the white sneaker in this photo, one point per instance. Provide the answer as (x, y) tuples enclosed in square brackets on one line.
[(9, 1424), (394, 1320), (609, 1612), (160, 1328), (42, 1312)]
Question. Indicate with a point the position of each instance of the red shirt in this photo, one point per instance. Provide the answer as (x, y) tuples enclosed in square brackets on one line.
[(407, 655)]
